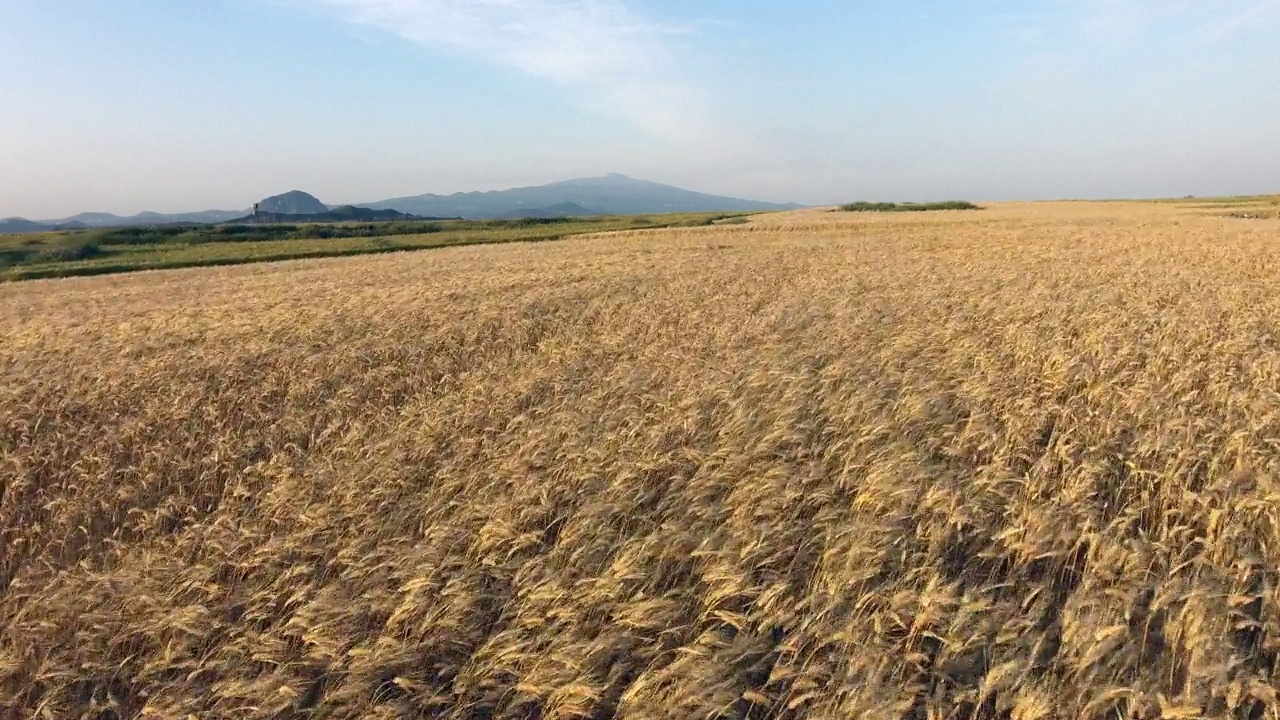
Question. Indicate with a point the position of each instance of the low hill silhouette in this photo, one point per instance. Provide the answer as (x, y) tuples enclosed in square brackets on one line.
[(345, 213), (612, 194), (294, 202)]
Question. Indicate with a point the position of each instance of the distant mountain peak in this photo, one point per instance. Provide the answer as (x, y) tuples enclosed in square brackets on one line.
[(15, 225), (294, 202), (343, 213), (612, 194)]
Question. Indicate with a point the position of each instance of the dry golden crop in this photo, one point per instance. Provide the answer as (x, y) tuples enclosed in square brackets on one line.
[(1019, 463)]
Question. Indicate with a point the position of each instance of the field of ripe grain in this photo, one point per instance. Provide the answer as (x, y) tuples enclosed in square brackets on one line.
[(1021, 462)]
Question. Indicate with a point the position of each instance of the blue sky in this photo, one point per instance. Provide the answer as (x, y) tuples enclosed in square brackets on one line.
[(134, 105)]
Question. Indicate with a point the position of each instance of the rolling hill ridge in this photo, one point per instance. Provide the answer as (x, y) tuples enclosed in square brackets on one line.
[(612, 194)]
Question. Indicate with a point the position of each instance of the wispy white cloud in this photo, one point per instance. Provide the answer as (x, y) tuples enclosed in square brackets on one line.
[(1253, 12), (609, 56), (1068, 45), (1216, 19)]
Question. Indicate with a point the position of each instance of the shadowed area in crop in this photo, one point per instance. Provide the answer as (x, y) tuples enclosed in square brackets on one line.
[(1012, 464)]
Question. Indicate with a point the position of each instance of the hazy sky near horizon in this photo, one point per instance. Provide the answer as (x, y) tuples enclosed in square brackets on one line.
[(135, 105)]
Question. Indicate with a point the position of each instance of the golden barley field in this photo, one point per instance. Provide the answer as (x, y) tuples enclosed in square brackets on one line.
[(1020, 463)]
